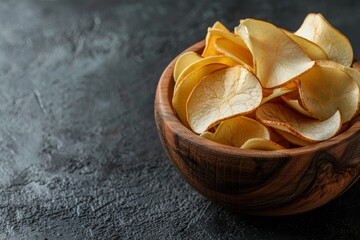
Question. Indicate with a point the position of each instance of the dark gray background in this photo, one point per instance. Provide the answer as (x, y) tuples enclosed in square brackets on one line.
[(79, 152)]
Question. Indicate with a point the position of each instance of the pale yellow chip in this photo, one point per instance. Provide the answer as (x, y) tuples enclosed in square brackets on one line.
[(355, 74), (295, 104), (236, 131), (324, 90), (312, 130), (203, 62), (292, 99), (277, 92), (312, 50), (277, 59), (293, 139), (182, 92), (261, 144), (234, 51), (229, 36), (337, 47), (184, 60), (224, 94), (208, 135), (210, 39)]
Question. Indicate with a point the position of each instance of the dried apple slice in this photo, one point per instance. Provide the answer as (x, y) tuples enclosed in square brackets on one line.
[(182, 92), (230, 36), (277, 92), (203, 62), (316, 29), (312, 50), (277, 138), (324, 90), (354, 74), (277, 59), (223, 94), (234, 51), (184, 61), (312, 130), (293, 139), (351, 71), (207, 135), (295, 104), (293, 100), (210, 49), (236, 131), (261, 144)]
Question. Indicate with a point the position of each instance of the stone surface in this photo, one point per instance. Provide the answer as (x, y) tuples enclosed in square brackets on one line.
[(79, 152)]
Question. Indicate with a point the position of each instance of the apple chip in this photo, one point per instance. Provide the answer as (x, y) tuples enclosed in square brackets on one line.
[(184, 61), (182, 92), (234, 51), (355, 74), (316, 29), (294, 104), (312, 50), (277, 138), (210, 39), (312, 130), (261, 144), (277, 59), (221, 95), (236, 131), (277, 92), (203, 62), (293, 139), (324, 90), (230, 36), (292, 99)]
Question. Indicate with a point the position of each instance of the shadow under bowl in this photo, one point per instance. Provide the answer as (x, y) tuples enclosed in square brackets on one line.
[(257, 182)]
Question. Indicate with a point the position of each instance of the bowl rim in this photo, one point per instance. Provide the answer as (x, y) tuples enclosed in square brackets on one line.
[(163, 104)]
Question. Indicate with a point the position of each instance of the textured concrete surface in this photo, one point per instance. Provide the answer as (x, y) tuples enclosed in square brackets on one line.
[(79, 152)]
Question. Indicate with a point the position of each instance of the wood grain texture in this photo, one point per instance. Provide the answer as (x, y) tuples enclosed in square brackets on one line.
[(256, 182)]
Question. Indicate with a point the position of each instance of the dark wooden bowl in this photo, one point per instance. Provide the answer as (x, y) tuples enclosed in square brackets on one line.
[(257, 182)]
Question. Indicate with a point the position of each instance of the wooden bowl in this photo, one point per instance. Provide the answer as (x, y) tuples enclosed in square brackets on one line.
[(251, 181)]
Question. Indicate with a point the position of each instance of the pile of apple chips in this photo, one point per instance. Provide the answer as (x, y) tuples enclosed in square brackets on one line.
[(262, 87)]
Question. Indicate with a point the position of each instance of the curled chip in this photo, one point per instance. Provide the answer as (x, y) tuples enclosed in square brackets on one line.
[(293, 100), (203, 62), (312, 130), (183, 62), (182, 92), (236, 131), (354, 74), (324, 90), (297, 106), (236, 39), (210, 39), (224, 94), (316, 29), (277, 92), (277, 61), (234, 51), (312, 50), (293, 139)]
